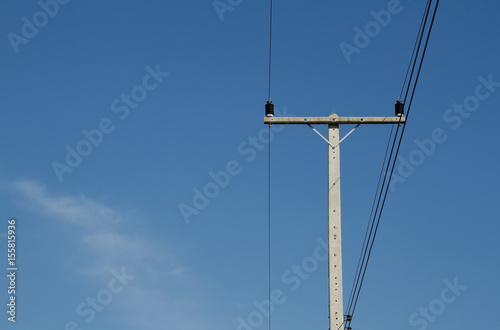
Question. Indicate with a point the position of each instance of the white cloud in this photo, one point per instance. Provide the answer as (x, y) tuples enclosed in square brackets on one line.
[(167, 293), (100, 238), (77, 210)]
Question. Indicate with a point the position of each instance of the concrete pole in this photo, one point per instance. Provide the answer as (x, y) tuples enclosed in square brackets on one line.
[(334, 232)]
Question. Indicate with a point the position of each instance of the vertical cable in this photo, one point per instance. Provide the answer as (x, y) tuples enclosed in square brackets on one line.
[(269, 220), (270, 45), (269, 165)]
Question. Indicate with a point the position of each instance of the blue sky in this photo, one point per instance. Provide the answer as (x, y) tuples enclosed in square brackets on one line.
[(96, 178)]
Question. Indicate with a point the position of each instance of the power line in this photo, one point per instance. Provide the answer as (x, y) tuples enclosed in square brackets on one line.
[(371, 214), (414, 48), (382, 194), (418, 49), (371, 238), (269, 222), (393, 160), (269, 165), (270, 45)]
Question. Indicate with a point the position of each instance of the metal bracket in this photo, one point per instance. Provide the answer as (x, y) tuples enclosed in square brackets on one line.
[(326, 140)]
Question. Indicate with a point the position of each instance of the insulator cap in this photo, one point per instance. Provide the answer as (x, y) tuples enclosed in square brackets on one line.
[(400, 108), (269, 109)]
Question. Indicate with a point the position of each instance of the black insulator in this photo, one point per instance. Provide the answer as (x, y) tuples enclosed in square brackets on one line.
[(348, 318), (400, 108), (269, 109)]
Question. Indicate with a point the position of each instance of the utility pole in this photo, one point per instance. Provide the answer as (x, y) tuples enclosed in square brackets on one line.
[(334, 229)]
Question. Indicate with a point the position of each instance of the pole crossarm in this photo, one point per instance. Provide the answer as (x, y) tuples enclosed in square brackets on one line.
[(334, 119)]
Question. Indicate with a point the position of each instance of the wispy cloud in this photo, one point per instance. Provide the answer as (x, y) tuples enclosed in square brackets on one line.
[(78, 210), (96, 227), (164, 287)]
